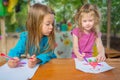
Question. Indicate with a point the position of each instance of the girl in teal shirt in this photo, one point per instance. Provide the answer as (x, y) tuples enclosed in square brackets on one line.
[(38, 41)]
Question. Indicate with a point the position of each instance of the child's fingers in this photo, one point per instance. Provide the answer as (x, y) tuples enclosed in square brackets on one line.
[(80, 58), (16, 59), (83, 54), (12, 63), (31, 63), (33, 56), (100, 59)]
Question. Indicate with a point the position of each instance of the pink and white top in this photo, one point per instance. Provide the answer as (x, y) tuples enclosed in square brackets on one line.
[(85, 42)]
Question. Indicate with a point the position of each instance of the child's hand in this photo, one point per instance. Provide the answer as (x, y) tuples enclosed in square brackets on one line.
[(100, 58), (81, 56), (32, 61), (12, 63)]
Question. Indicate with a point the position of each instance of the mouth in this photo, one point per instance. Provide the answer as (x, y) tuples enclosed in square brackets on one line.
[(87, 27), (49, 32)]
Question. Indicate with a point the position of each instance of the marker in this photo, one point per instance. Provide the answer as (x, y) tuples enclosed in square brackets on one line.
[(22, 63), (84, 56), (30, 58), (4, 55), (8, 57)]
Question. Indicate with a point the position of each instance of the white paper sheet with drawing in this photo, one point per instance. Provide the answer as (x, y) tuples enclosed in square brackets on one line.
[(86, 67), (19, 73)]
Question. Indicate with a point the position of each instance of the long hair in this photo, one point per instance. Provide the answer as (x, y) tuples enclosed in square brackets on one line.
[(34, 26), (93, 11)]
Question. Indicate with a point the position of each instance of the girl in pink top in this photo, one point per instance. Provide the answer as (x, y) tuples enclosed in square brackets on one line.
[(87, 33)]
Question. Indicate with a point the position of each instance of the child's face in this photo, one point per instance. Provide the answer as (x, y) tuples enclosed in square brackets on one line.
[(87, 22), (48, 24)]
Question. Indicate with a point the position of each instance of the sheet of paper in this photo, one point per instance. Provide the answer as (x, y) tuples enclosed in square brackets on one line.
[(19, 73), (86, 67)]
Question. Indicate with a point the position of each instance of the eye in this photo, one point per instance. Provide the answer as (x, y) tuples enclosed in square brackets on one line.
[(84, 20), (47, 24), (90, 20)]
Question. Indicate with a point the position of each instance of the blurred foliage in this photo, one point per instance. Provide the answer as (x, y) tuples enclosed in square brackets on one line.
[(115, 18), (65, 11), (16, 20)]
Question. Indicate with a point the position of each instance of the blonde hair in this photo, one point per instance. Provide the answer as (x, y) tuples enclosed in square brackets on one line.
[(34, 25), (93, 10)]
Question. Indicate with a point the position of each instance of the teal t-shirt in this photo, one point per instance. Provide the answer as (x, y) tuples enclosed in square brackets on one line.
[(20, 48)]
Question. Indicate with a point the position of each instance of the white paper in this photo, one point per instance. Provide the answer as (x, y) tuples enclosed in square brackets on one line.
[(19, 73), (86, 67)]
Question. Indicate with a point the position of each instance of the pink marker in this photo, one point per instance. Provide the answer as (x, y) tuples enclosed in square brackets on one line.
[(30, 58), (4, 55)]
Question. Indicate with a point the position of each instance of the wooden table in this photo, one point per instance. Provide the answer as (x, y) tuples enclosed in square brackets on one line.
[(112, 53), (64, 69)]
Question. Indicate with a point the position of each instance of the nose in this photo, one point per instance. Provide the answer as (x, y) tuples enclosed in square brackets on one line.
[(87, 22), (51, 27)]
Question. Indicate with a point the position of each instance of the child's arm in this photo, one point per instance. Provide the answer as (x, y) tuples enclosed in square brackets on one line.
[(20, 46), (76, 48), (45, 57), (17, 51), (40, 59), (101, 52)]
